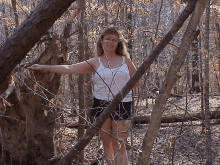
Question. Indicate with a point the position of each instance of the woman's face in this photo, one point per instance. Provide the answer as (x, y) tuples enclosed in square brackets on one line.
[(110, 42)]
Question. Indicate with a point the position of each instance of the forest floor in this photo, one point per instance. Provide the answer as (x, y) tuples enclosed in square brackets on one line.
[(176, 143)]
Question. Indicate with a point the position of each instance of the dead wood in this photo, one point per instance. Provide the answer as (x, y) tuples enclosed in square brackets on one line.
[(29, 32), (9, 90), (175, 118), (25, 122)]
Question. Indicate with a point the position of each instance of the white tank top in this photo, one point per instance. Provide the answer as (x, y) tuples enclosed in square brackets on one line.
[(109, 81)]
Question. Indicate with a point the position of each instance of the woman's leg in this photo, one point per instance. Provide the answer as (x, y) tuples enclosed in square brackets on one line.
[(107, 141), (120, 130)]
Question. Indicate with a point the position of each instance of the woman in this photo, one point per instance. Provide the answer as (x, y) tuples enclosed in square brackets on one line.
[(112, 68)]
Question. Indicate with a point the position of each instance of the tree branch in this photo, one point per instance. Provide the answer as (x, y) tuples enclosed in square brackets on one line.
[(28, 34)]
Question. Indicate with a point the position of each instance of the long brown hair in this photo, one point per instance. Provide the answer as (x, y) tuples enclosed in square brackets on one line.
[(121, 49)]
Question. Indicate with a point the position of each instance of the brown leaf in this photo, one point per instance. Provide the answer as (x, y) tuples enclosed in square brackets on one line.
[(45, 112), (103, 11), (217, 150), (171, 137), (170, 144), (4, 103), (198, 144), (153, 40), (35, 87), (206, 130)]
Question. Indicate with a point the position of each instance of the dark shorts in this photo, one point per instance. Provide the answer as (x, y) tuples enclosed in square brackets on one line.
[(122, 112)]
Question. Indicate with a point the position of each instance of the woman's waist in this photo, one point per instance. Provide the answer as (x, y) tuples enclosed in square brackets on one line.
[(109, 95), (108, 89)]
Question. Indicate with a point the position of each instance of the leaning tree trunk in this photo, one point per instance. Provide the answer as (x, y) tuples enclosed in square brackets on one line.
[(26, 127), (29, 32)]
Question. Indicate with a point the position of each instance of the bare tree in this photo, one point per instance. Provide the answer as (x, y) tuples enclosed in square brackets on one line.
[(206, 88), (195, 71), (81, 128)]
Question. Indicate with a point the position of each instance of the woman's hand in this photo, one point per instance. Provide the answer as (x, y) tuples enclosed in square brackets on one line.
[(37, 67)]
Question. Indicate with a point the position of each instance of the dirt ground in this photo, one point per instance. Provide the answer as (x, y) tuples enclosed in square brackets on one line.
[(176, 143)]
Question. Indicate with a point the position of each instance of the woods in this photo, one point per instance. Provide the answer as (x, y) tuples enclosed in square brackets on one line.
[(175, 47)]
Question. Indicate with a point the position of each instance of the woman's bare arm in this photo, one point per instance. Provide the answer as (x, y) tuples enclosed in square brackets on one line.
[(132, 69), (78, 68)]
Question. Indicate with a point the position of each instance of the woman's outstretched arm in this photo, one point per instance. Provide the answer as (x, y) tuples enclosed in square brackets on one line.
[(78, 68)]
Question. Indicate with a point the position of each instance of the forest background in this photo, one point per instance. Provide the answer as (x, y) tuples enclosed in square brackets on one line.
[(44, 116)]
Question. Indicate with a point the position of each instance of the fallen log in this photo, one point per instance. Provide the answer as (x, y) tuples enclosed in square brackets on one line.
[(165, 119), (175, 118)]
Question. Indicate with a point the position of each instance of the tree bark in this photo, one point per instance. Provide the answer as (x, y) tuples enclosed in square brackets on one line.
[(165, 119), (168, 83), (5, 24), (218, 48), (81, 81), (175, 118), (15, 48), (13, 2), (207, 128), (74, 152), (195, 72)]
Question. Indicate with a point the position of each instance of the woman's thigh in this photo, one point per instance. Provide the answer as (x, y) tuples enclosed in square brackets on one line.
[(106, 128), (120, 129)]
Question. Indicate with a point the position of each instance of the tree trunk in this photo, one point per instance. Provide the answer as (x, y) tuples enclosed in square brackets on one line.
[(29, 32), (206, 89), (195, 72), (202, 82), (165, 119), (74, 152), (218, 48), (27, 126), (170, 80), (13, 2), (81, 128), (64, 50), (5, 25), (174, 118), (88, 80)]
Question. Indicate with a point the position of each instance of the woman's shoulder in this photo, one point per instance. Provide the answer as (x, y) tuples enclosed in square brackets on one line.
[(94, 62), (127, 59)]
